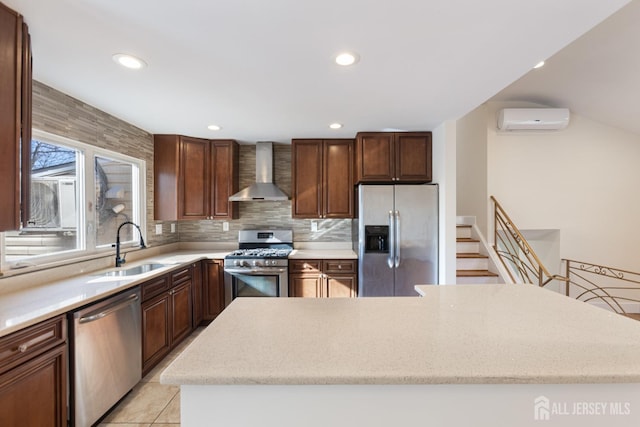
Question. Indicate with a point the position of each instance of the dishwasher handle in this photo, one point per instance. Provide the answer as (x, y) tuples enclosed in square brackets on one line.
[(131, 299)]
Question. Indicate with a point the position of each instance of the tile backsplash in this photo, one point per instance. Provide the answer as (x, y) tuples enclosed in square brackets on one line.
[(60, 114)]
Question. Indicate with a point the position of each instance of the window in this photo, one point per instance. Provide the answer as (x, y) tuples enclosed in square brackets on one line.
[(80, 194)]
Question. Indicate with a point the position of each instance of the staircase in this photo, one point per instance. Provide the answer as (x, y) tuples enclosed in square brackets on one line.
[(472, 267)]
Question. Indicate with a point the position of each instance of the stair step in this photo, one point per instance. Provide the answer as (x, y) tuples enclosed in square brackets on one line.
[(467, 247), (470, 255), (472, 263), (467, 239), (477, 280), (463, 231), (475, 273)]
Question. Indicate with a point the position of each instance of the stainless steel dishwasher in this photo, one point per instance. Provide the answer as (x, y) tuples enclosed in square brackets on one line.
[(106, 355)]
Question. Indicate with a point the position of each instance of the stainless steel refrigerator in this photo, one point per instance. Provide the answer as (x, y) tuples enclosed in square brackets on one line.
[(397, 230)]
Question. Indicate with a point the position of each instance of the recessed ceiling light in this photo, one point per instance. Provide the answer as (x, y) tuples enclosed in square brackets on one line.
[(129, 61), (335, 125), (539, 64), (214, 127), (347, 58)]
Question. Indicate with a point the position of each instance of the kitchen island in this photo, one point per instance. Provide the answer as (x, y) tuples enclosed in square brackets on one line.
[(461, 355)]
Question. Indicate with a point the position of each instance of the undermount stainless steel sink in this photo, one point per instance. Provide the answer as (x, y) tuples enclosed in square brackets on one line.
[(134, 271)]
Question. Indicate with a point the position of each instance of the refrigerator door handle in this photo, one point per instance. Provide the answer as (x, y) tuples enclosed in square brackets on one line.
[(392, 243), (397, 239)]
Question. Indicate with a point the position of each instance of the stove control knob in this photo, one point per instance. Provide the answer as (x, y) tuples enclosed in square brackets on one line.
[(255, 263), (237, 263)]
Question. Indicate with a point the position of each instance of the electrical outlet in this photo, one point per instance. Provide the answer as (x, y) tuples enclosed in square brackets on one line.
[(173, 227), (158, 228), (314, 225), (225, 226)]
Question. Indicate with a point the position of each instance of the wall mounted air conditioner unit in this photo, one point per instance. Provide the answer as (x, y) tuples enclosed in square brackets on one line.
[(53, 203), (510, 119)]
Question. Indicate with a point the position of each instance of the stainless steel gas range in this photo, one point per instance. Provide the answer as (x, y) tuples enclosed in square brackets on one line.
[(259, 268)]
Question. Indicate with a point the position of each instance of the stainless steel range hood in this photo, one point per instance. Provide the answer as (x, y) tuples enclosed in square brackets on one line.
[(263, 189)]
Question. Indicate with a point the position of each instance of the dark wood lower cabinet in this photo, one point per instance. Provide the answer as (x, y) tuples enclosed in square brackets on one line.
[(34, 394), (167, 318), (323, 278), (213, 288), (197, 291), (156, 342), (33, 376), (181, 319)]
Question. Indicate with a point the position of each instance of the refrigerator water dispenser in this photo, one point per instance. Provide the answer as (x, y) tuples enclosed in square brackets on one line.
[(376, 238)]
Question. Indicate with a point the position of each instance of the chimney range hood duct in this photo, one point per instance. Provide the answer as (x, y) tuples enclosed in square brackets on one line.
[(263, 189)]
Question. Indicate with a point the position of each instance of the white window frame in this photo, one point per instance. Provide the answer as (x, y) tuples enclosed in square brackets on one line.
[(85, 183)]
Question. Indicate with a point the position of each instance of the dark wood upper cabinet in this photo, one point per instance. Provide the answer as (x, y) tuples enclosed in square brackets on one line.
[(15, 115), (322, 184), (383, 157), (193, 178), (225, 178), (194, 181)]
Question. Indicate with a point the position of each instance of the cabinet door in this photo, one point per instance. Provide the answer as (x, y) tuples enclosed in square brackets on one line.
[(194, 187), (337, 181), (342, 278), (27, 125), (155, 330), (306, 163), (224, 176), (10, 116), (413, 157), (197, 291), (166, 171), (181, 312), (213, 295), (305, 285), (342, 286), (375, 157), (35, 393)]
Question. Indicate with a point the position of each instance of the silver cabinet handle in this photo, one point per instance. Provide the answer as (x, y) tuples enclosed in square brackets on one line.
[(22, 348)]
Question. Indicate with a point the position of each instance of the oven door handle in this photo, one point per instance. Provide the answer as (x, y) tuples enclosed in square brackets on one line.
[(255, 271)]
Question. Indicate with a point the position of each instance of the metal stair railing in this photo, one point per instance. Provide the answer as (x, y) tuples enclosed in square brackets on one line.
[(516, 255), (611, 286)]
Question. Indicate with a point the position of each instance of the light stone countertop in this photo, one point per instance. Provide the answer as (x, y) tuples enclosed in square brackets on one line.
[(457, 334), (323, 254), (25, 307), (21, 307)]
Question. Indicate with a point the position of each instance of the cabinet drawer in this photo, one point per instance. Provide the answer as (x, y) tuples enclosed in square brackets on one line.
[(30, 342), (181, 276), (339, 266), (154, 287), (304, 266)]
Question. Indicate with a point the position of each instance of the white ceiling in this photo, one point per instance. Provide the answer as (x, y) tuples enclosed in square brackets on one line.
[(596, 76), (264, 70)]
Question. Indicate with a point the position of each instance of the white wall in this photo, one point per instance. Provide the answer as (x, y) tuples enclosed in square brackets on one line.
[(582, 180), (471, 169), (444, 173)]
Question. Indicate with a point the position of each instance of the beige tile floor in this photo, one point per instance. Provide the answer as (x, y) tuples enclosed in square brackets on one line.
[(150, 403)]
